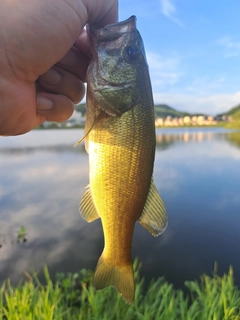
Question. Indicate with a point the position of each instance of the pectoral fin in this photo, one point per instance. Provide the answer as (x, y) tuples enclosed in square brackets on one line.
[(88, 131), (154, 216), (87, 208), (89, 128)]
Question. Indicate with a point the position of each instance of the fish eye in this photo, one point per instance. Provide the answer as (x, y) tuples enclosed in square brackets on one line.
[(132, 52)]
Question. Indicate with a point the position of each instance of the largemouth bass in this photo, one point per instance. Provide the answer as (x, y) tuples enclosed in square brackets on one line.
[(120, 139)]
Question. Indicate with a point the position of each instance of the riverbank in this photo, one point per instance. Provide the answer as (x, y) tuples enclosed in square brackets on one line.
[(72, 297), (223, 124)]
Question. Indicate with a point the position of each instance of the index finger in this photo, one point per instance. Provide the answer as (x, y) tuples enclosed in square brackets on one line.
[(100, 13)]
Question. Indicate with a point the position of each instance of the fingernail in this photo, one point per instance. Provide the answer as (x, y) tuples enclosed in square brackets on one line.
[(51, 77), (44, 104)]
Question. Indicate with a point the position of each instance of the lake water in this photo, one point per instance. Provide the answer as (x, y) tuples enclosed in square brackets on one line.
[(197, 173)]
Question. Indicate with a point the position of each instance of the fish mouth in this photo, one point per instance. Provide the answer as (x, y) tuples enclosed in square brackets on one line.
[(113, 87), (130, 22), (112, 31)]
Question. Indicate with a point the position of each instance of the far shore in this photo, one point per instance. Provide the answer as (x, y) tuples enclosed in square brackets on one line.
[(227, 125)]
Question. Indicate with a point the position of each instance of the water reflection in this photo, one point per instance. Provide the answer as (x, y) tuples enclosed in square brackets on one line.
[(54, 149), (42, 179), (234, 139), (169, 138)]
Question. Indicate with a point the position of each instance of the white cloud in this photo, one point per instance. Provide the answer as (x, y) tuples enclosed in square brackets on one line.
[(164, 71), (140, 8), (209, 103), (231, 46), (206, 84), (172, 86), (169, 10)]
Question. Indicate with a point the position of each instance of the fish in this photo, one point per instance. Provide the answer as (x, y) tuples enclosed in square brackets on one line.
[(120, 140)]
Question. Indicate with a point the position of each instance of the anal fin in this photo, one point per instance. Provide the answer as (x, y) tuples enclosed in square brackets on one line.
[(87, 208), (154, 216)]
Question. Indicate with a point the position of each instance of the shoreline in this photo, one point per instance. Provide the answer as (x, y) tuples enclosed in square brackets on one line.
[(226, 125)]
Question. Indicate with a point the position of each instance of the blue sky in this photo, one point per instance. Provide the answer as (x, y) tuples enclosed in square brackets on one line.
[(193, 51)]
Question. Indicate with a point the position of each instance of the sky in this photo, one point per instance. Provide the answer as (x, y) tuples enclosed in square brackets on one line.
[(193, 51)]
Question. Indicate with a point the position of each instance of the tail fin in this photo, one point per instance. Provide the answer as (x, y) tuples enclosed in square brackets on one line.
[(121, 277)]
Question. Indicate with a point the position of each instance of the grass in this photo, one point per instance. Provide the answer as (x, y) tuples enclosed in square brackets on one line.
[(73, 297), (232, 125)]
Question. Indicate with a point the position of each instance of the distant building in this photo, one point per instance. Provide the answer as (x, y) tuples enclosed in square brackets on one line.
[(194, 119), (187, 120), (200, 120), (175, 122), (76, 119), (159, 122), (168, 121), (180, 121), (210, 118), (221, 117)]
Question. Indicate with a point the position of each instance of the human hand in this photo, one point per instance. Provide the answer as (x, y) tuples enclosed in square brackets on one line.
[(41, 72)]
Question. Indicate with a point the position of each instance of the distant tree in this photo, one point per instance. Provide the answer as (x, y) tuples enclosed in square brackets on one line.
[(81, 108)]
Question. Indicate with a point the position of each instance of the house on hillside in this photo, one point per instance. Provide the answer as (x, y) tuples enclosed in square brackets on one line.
[(159, 122), (187, 120), (180, 121), (194, 120), (200, 120), (223, 117), (76, 119), (168, 121)]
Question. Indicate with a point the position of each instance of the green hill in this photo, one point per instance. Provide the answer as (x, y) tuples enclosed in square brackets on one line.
[(234, 112), (162, 111)]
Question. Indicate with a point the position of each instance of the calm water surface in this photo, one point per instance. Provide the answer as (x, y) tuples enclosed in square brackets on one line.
[(197, 173)]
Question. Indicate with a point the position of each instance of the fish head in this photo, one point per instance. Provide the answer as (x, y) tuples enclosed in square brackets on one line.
[(118, 57)]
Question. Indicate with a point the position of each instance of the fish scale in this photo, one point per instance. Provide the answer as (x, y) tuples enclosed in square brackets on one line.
[(120, 140)]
